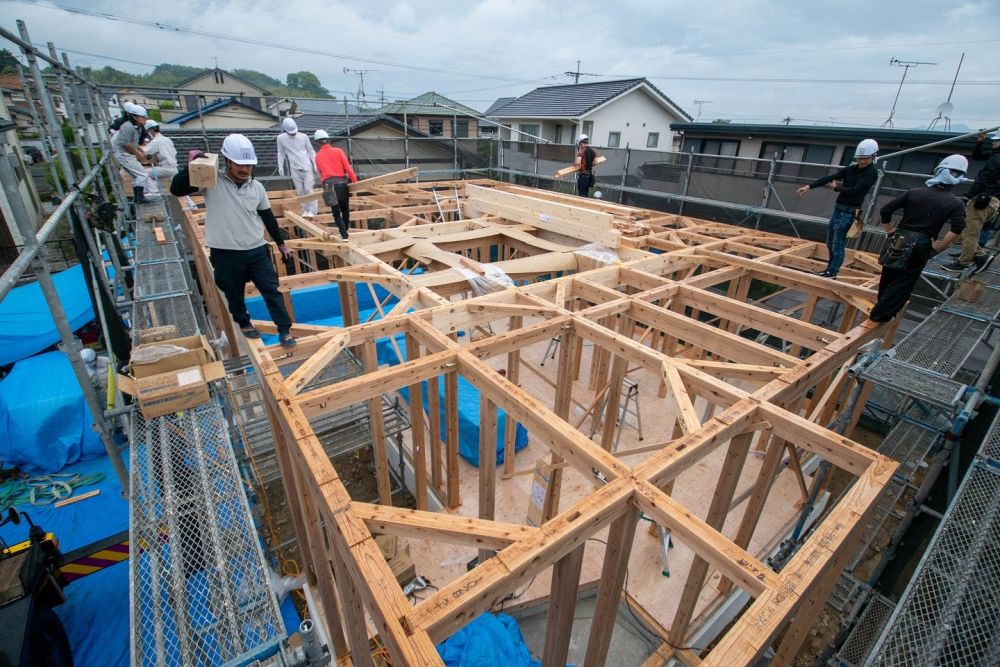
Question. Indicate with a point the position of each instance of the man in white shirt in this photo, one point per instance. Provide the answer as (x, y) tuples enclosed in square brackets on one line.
[(296, 147), (161, 151)]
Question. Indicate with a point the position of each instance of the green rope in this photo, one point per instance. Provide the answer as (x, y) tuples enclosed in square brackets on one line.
[(44, 490)]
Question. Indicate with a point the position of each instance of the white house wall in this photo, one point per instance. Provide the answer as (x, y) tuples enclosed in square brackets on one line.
[(634, 115)]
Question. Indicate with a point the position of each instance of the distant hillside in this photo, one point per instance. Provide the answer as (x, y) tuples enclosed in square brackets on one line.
[(166, 75)]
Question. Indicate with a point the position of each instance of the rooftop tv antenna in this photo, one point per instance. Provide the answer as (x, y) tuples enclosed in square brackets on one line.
[(700, 104), (359, 96), (947, 107), (906, 65)]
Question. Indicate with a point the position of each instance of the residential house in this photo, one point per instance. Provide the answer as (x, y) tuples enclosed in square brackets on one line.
[(231, 113), (491, 128), (10, 235), (629, 112), (19, 109), (217, 84), (436, 116)]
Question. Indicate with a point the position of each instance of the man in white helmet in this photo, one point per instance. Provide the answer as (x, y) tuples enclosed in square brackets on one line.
[(335, 173), (914, 240), (585, 156), (161, 152), (984, 202), (237, 212), (125, 146), (853, 183), (297, 149)]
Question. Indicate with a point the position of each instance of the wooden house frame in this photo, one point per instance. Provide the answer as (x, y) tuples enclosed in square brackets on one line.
[(674, 302)]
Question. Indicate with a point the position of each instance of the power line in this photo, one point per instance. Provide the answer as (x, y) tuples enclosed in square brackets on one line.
[(255, 42)]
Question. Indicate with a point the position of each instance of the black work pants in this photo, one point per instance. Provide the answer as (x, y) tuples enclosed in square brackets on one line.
[(896, 285), (342, 209), (583, 184), (235, 268)]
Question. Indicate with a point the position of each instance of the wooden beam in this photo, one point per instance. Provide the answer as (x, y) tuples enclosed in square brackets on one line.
[(440, 527), (313, 366), (562, 607), (393, 177)]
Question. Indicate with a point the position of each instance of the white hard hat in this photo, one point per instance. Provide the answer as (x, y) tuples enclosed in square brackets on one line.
[(995, 136), (128, 107), (152, 124), (87, 355), (320, 134), (138, 110), (598, 194), (955, 163), (867, 148), (289, 125), (237, 148), (583, 137)]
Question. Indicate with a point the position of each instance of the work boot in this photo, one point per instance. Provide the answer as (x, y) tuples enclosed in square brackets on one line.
[(137, 195), (286, 339)]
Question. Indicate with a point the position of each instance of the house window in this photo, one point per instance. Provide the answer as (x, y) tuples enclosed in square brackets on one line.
[(815, 153), (652, 140), (614, 139), (559, 131), (219, 78), (528, 132), (721, 147), (435, 128), (461, 128), (588, 128)]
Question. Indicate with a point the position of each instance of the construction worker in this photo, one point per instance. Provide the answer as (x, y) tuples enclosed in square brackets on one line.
[(300, 154), (853, 183), (334, 173), (984, 202), (234, 211), (125, 146), (585, 156), (908, 247), (160, 150)]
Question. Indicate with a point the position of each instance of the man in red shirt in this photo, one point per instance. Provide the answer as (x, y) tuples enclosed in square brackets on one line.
[(585, 157), (334, 173)]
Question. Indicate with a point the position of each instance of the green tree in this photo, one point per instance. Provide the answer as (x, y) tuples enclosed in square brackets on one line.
[(8, 63), (306, 81)]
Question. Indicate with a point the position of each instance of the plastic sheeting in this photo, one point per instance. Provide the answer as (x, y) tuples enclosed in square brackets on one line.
[(44, 422), (26, 326), (488, 641)]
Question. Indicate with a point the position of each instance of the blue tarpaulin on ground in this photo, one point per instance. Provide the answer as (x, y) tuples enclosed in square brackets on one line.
[(96, 611), (490, 640), (44, 422), (26, 326), (321, 305)]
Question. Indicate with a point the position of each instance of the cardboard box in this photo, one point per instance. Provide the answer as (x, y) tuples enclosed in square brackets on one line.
[(157, 334), (204, 171), (177, 381)]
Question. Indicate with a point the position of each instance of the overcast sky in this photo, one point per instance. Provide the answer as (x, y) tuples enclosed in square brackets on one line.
[(834, 58)]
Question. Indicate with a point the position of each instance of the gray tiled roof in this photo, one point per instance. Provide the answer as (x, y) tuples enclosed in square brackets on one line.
[(501, 101), (573, 100), (429, 104)]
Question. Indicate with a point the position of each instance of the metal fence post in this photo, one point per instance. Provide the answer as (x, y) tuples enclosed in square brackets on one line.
[(406, 139), (767, 189), (628, 158), (69, 344), (454, 145), (535, 152), (687, 181)]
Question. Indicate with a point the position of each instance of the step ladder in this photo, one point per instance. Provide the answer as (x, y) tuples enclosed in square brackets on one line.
[(629, 407)]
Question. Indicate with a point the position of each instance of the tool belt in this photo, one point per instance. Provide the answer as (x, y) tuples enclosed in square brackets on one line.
[(329, 191), (898, 248)]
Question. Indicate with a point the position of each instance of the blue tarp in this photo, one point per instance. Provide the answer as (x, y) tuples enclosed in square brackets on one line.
[(321, 305), (96, 611), (44, 422), (488, 641), (26, 326)]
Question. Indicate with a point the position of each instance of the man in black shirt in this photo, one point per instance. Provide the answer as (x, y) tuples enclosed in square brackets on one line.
[(585, 157), (925, 212), (853, 183), (984, 201)]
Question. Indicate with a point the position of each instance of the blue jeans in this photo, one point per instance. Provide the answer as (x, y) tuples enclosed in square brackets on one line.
[(836, 237)]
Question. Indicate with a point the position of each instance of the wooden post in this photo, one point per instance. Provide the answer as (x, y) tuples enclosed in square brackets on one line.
[(487, 463), (377, 422), (609, 594), (434, 430), (451, 438), (563, 399), (510, 426), (354, 614), (417, 429), (562, 606), (729, 476)]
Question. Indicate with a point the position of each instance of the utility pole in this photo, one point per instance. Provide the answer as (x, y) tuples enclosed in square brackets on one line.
[(700, 104), (906, 65), (577, 74)]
